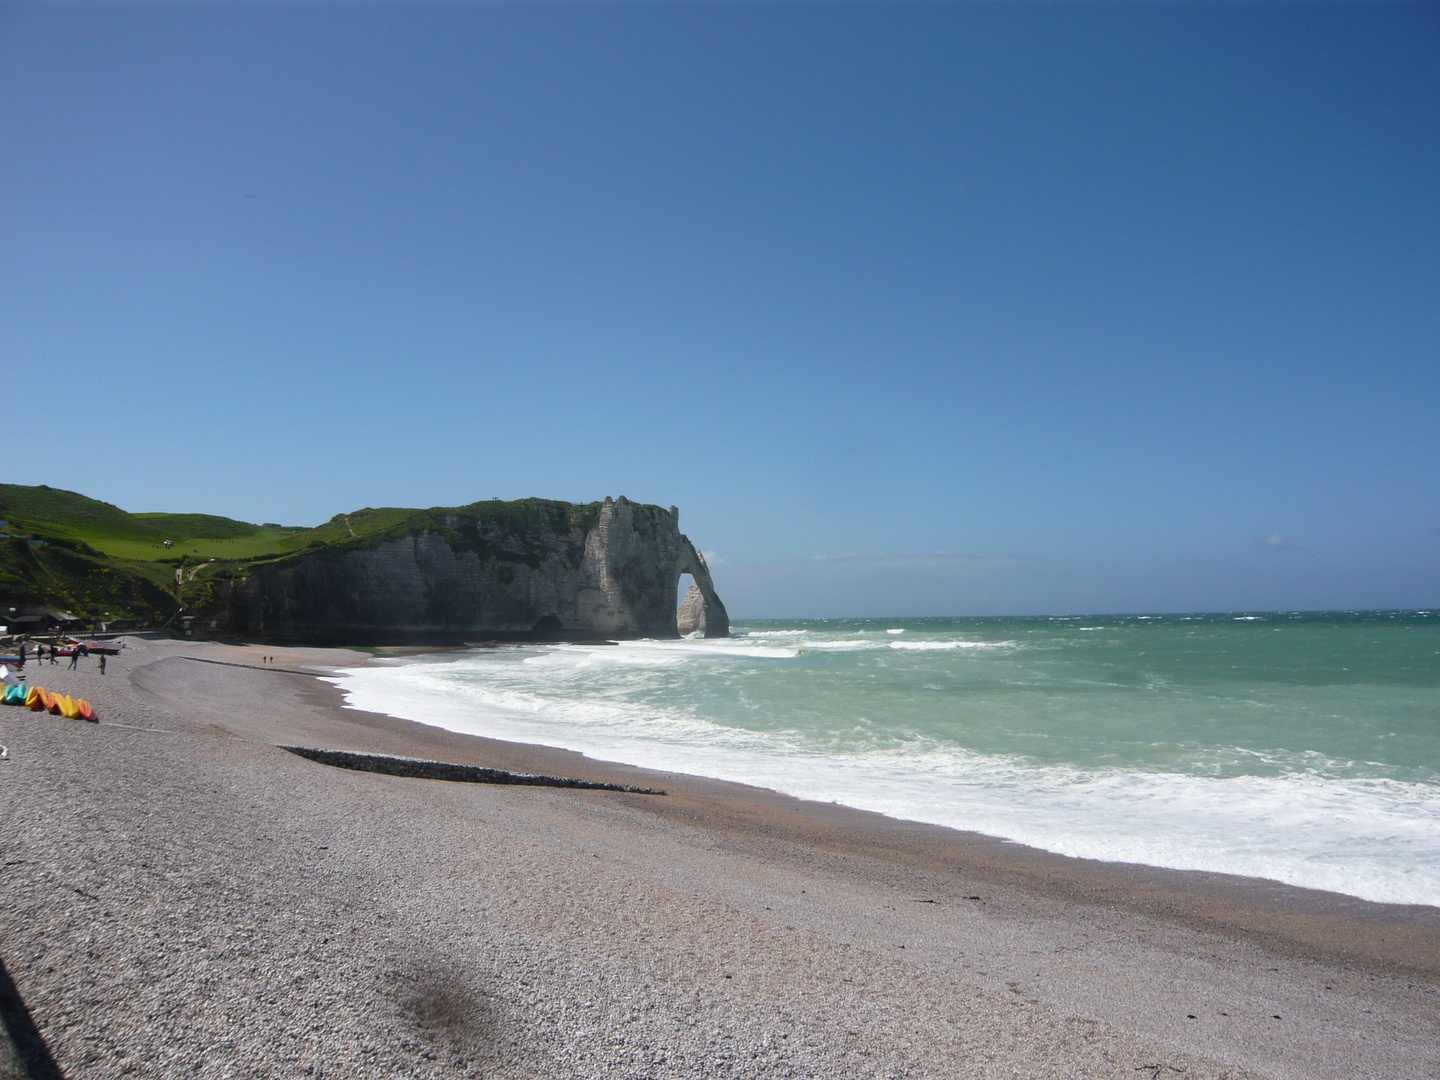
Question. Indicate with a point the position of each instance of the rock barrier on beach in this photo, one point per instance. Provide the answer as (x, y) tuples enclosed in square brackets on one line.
[(441, 770)]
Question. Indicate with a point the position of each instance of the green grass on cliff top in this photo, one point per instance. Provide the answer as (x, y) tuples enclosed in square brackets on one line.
[(51, 514), (257, 545)]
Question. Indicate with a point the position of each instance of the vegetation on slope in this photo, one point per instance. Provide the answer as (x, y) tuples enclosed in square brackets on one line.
[(80, 581), (92, 559)]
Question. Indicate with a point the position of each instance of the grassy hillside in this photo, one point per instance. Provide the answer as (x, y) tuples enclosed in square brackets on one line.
[(254, 545), (65, 514), (88, 557), (77, 554), (198, 526)]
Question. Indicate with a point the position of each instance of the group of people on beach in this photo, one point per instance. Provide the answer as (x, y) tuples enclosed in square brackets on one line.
[(76, 652)]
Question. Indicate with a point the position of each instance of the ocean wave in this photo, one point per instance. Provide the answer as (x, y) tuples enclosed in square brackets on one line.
[(845, 645), (668, 652), (1373, 837)]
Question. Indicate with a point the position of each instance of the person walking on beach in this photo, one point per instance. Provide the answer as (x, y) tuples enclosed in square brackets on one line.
[(102, 663), (20, 660), (74, 656), (54, 652)]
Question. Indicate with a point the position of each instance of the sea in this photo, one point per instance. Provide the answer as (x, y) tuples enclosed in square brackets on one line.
[(1298, 747)]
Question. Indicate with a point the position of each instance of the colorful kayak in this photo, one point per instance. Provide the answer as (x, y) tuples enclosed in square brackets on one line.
[(42, 700)]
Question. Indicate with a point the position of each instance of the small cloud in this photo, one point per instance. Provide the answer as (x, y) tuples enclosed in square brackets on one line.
[(713, 559), (1274, 542)]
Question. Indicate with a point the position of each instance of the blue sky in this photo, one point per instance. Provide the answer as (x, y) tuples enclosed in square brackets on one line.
[(912, 309)]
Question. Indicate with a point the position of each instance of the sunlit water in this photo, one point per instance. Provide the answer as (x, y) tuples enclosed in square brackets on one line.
[(1302, 748)]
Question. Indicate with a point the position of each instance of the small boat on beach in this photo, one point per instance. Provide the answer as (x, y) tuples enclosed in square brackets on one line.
[(87, 648)]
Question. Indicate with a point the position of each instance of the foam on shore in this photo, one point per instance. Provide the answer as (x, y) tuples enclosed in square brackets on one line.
[(1298, 818)]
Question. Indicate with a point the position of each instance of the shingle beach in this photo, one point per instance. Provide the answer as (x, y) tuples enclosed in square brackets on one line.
[(181, 897)]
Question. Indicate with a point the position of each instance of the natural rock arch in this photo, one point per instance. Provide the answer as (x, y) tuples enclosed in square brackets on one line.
[(701, 608), (634, 557)]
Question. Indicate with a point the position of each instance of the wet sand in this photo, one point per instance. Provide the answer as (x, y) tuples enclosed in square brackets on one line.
[(183, 898)]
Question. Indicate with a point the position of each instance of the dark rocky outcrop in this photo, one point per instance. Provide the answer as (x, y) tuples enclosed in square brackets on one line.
[(444, 770), (607, 570)]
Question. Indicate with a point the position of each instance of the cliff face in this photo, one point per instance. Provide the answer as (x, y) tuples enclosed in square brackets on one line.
[(610, 570)]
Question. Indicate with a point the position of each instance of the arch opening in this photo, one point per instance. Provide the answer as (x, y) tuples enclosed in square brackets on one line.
[(700, 609)]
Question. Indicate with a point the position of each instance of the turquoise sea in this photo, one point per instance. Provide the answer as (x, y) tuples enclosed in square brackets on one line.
[(1304, 748)]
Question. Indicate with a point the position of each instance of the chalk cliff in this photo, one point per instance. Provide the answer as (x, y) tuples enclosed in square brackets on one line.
[(490, 570)]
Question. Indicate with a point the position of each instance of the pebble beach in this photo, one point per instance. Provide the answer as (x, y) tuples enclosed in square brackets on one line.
[(181, 897)]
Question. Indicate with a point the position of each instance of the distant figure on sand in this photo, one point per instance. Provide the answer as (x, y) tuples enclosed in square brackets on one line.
[(102, 663), (21, 658), (74, 657), (54, 654)]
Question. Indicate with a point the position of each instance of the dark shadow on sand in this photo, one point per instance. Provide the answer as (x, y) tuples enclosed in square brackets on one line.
[(29, 1045)]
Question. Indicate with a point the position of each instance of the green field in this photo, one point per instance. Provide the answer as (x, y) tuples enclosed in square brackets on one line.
[(262, 542), (51, 514)]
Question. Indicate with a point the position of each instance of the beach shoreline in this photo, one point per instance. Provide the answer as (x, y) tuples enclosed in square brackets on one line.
[(1257, 904), (972, 918)]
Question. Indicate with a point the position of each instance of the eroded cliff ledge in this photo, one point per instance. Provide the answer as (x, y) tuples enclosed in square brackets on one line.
[(529, 569)]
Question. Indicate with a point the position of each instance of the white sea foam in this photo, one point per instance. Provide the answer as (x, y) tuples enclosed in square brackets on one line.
[(1311, 823), (667, 653), (846, 645), (952, 646)]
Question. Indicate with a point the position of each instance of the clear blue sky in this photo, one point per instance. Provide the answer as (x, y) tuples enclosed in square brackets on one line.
[(912, 309)]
